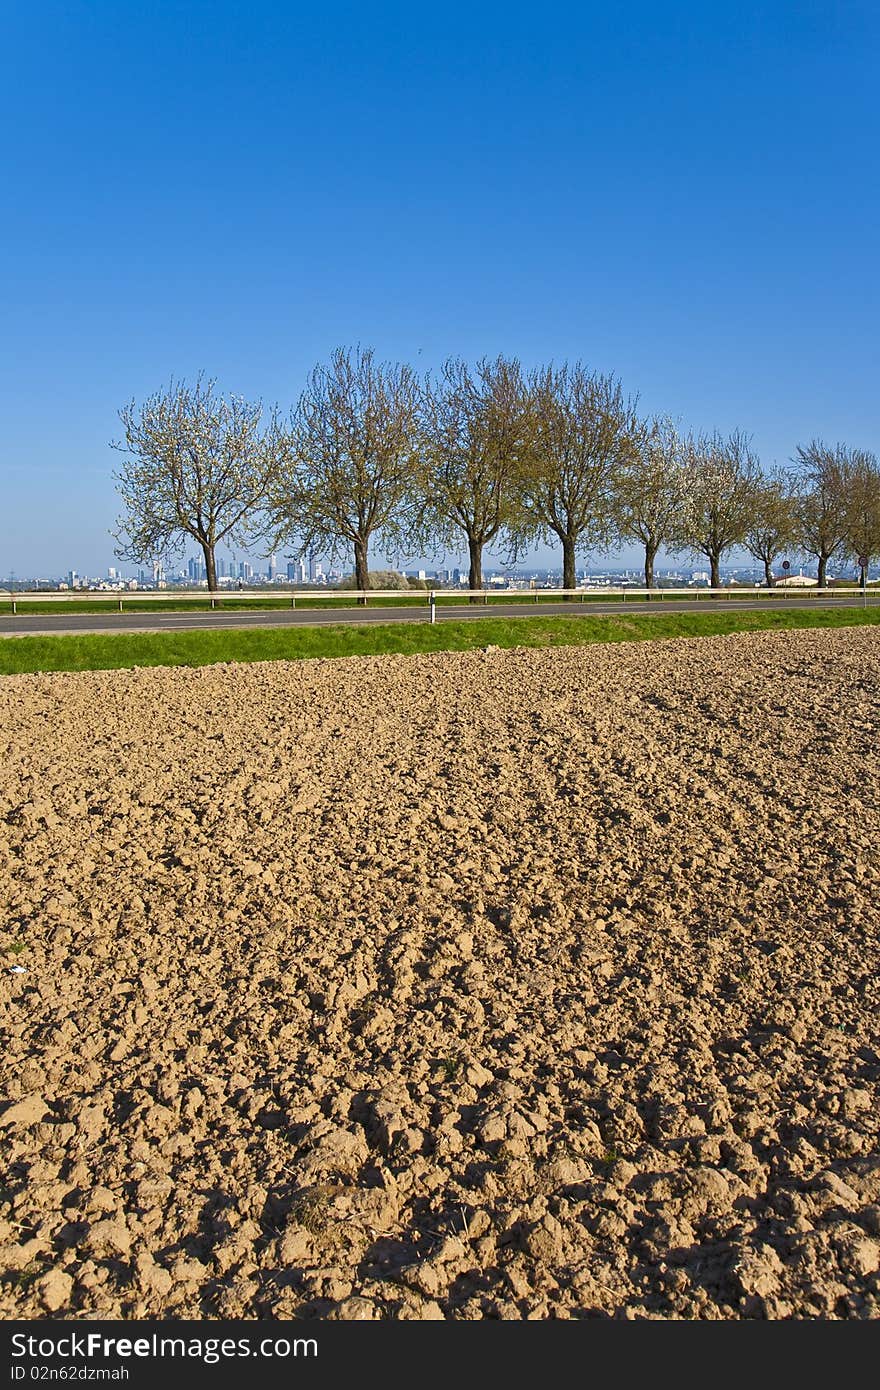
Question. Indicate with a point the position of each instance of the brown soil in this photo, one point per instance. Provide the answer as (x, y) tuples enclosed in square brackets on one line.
[(496, 985)]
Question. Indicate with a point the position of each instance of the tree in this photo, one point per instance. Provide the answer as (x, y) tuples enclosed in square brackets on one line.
[(772, 527), (822, 502), (651, 489), (474, 436), (583, 433), (721, 476), (862, 510), (198, 465), (347, 476)]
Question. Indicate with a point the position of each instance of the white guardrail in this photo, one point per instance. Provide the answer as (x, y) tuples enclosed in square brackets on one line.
[(431, 597)]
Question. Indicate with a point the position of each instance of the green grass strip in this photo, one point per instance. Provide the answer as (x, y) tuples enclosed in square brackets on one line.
[(99, 652)]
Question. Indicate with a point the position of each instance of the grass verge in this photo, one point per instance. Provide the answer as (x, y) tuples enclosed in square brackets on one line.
[(99, 652)]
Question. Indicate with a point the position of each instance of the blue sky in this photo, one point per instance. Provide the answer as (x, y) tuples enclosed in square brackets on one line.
[(685, 195)]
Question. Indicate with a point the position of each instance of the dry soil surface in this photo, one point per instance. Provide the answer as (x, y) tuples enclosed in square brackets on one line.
[(528, 984)]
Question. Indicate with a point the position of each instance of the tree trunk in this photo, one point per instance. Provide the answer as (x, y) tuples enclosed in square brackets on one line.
[(475, 572), (768, 574), (361, 567), (210, 566), (569, 571), (863, 576), (715, 571), (820, 573), (650, 556)]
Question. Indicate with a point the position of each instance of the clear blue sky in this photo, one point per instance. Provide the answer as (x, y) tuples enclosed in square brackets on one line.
[(683, 194)]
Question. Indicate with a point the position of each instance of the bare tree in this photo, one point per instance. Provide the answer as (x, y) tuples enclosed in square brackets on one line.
[(822, 502), (722, 475), (862, 504), (773, 524), (348, 472), (197, 465), (474, 433), (584, 432), (651, 489)]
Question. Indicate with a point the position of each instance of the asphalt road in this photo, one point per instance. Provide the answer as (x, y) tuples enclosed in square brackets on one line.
[(35, 624)]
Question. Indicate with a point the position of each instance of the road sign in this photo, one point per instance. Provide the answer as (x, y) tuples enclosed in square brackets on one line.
[(786, 565), (863, 562)]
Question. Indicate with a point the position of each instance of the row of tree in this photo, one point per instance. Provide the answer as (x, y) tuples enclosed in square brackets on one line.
[(375, 455)]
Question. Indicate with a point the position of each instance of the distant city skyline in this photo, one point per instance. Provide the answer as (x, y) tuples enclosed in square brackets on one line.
[(248, 566)]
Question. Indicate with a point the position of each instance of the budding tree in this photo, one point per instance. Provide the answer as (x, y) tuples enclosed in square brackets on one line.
[(721, 478), (862, 510), (347, 476), (197, 465), (583, 435), (822, 522), (772, 527), (474, 436), (651, 489)]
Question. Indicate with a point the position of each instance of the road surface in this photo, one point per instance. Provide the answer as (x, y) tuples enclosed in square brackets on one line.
[(37, 624)]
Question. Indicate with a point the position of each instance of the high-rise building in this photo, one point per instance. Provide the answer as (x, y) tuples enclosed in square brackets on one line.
[(291, 571), (273, 568), (314, 567)]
